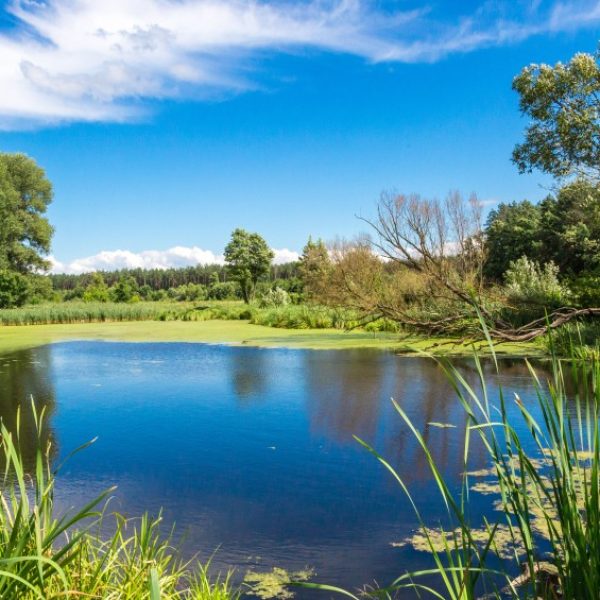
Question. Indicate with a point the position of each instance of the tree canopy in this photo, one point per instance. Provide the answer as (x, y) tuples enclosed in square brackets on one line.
[(512, 231), (563, 103), (248, 258), (25, 233)]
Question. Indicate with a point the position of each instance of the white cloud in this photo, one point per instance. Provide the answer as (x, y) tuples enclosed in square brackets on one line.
[(84, 60), (178, 256), (284, 255)]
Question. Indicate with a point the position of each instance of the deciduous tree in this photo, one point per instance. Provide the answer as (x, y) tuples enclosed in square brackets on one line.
[(563, 104), (248, 259), (25, 233)]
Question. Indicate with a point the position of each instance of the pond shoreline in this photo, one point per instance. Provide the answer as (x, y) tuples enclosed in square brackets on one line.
[(15, 337)]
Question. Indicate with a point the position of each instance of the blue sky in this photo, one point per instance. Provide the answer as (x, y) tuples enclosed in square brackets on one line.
[(167, 124)]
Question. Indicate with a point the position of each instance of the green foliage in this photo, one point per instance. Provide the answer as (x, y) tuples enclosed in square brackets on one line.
[(47, 553), (274, 297), (563, 104), (14, 289), (90, 312), (564, 228), (570, 227), (512, 231), (189, 292), (40, 289), (577, 338), (96, 290), (314, 267), (306, 317), (527, 282), (125, 290), (227, 290), (25, 233), (586, 290), (284, 275), (248, 258)]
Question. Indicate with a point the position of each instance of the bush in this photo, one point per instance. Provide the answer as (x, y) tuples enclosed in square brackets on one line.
[(40, 289), (190, 292), (14, 289), (274, 297), (125, 290), (527, 282), (228, 290), (96, 290)]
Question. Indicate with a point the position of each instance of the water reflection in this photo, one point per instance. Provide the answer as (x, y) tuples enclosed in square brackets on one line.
[(252, 450), (249, 377), (25, 383), (346, 400)]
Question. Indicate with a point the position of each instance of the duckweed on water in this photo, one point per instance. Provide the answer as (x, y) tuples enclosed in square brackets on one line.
[(274, 584)]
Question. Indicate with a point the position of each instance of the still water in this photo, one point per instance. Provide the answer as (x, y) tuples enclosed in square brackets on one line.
[(251, 451)]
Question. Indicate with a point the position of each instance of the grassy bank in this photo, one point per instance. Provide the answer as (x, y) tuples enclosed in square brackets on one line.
[(234, 332)]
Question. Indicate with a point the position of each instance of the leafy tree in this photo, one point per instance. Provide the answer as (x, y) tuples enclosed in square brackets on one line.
[(14, 289), (248, 258), (40, 289), (97, 290), (315, 267), (563, 103), (125, 290), (570, 228), (25, 232), (512, 231)]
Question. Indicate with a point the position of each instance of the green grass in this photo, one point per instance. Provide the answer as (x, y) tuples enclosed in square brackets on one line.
[(232, 332), (46, 554)]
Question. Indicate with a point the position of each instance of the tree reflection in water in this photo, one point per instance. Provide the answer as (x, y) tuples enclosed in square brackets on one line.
[(25, 378)]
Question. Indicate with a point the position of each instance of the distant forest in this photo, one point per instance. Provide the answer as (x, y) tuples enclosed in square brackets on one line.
[(165, 279)]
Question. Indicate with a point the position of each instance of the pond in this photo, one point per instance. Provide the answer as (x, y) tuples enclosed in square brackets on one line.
[(250, 452)]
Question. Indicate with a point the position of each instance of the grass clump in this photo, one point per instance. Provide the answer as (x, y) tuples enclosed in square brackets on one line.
[(44, 554)]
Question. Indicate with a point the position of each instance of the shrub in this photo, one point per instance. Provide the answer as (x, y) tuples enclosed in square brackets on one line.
[(125, 290), (527, 282), (14, 289), (40, 289), (228, 290), (586, 290), (274, 297), (96, 290)]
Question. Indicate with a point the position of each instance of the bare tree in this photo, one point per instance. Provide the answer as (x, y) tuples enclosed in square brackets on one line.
[(443, 241)]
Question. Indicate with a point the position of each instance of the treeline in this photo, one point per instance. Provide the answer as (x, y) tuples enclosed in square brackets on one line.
[(280, 284), (165, 279)]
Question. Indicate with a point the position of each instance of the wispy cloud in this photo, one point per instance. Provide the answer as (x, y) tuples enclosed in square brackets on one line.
[(84, 60), (178, 256)]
